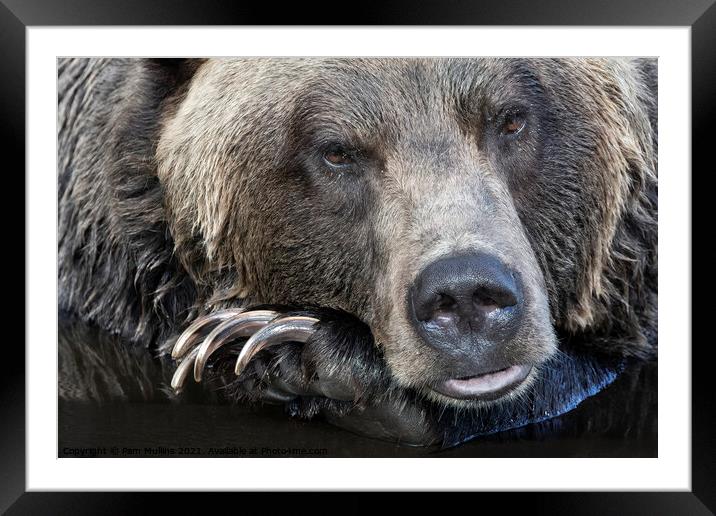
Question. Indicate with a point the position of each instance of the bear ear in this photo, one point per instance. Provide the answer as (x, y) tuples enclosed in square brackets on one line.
[(172, 72)]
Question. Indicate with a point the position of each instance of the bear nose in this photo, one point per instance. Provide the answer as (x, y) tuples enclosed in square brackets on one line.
[(470, 300)]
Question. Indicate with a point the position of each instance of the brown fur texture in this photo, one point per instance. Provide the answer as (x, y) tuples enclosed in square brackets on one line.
[(190, 185)]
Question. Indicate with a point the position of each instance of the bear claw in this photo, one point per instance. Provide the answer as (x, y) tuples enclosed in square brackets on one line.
[(243, 325), (194, 332), (297, 329), (215, 330), (182, 371)]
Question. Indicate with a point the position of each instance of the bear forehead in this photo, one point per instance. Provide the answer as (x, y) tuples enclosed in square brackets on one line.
[(362, 94), (384, 80)]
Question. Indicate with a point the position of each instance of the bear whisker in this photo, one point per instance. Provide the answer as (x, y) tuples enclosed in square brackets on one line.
[(194, 332), (297, 328), (243, 325)]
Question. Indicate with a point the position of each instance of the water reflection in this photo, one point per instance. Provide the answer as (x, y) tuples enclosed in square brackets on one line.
[(114, 402)]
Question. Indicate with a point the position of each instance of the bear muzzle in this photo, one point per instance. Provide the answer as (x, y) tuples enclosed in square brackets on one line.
[(469, 308)]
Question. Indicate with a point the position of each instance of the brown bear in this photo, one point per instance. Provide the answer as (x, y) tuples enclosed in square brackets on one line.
[(402, 237)]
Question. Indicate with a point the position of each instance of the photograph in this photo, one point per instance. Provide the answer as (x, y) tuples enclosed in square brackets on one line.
[(357, 257), (411, 250)]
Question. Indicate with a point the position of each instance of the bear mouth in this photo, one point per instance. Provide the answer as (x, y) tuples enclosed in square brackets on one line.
[(488, 386)]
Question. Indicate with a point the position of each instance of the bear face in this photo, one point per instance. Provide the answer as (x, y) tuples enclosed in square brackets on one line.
[(462, 209), (457, 227)]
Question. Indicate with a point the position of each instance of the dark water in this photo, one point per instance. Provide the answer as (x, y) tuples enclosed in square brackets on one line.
[(111, 405)]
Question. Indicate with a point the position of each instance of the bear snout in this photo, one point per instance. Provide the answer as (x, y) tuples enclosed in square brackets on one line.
[(469, 308)]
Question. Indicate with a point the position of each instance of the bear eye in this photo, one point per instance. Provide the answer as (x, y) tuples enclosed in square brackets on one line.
[(338, 157), (513, 124)]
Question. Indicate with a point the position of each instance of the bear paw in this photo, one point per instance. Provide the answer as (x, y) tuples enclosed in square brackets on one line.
[(312, 361), (307, 354)]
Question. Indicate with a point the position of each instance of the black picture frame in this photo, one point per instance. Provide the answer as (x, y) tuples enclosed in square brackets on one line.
[(17, 15)]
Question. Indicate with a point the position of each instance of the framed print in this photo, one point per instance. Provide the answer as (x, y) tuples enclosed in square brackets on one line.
[(420, 255)]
